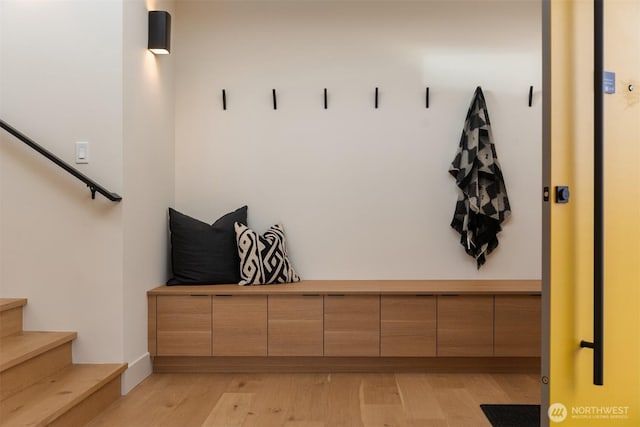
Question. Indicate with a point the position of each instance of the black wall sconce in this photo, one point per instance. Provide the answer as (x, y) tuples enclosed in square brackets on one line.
[(159, 32)]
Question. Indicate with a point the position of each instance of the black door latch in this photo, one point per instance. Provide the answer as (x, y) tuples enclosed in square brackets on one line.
[(562, 194)]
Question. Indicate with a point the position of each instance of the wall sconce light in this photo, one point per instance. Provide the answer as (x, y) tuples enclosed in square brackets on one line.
[(159, 32)]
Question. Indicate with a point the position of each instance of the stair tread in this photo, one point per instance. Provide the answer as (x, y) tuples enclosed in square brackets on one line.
[(17, 348), (9, 303), (49, 398)]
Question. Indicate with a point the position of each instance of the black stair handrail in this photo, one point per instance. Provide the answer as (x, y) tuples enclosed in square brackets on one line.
[(93, 186)]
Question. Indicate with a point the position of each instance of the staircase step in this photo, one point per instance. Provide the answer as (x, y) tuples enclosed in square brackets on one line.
[(11, 315), (30, 356), (9, 303), (70, 397), (16, 349)]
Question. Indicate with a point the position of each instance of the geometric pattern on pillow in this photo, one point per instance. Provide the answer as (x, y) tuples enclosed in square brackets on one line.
[(263, 259)]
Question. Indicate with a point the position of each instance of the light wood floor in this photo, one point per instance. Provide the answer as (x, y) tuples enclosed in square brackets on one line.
[(317, 400)]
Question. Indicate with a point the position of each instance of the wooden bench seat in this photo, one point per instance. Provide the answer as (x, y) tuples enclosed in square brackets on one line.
[(380, 287)]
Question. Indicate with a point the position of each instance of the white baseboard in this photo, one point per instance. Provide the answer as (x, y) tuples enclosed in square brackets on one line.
[(137, 371)]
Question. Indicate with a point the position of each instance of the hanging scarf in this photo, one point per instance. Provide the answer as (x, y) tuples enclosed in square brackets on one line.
[(482, 203)]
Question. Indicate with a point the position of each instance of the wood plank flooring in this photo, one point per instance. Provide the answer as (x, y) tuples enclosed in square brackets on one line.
[(317, 400)]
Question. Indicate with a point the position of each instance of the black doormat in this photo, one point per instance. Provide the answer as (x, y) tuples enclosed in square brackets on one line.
[(512, 415)]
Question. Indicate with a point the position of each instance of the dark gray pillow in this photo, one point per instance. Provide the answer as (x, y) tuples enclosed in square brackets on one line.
[(203, 254)]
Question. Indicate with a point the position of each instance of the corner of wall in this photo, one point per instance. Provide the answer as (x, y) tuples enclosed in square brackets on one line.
[(148, 140)]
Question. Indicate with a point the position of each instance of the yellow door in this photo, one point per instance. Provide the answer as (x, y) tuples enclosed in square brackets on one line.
[(569, 396)]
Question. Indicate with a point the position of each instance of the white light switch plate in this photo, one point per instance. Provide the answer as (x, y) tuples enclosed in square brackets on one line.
[(82, 152)]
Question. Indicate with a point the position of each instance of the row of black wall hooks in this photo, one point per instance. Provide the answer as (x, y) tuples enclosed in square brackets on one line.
[(376, 98)]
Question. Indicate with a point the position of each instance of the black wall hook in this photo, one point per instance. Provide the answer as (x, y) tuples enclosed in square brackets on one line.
[(426, 96), (275, 102), (224, 99), (530, 96), (325, 98), (376, 97)]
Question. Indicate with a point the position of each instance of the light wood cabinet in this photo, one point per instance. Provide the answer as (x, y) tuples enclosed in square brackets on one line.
[(352, 325), (379, 324), (465, 325), (295, 325), (239, 325), (183, 325), (408, 325), (517, 325)]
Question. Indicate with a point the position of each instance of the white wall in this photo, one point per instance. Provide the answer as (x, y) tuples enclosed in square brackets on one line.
[(1, 141), (1, 214), (61, 82), (362, 193), (85, 265), (148, 180)]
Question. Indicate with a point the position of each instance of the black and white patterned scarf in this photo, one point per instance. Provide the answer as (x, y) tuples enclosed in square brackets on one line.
[(482, 203)]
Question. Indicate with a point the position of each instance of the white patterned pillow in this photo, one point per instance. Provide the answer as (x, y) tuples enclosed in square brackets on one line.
[(263, 259)]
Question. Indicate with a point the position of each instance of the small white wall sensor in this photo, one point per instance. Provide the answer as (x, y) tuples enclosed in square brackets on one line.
[(82, 152)]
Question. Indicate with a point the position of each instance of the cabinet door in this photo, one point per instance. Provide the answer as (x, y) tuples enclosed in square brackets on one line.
[(465, 325), (408, 325), (183, 325), (295, 325), (352, 325), (517, 327), (240, 325)]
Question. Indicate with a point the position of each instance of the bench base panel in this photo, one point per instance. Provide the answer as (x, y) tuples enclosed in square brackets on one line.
[(222, 364)]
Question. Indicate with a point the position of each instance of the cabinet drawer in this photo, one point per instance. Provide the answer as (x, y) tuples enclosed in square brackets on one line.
[(465, 325), (517, 326), (352, 325), (408, 326), (240, 325), (295, 325), (183, 325)]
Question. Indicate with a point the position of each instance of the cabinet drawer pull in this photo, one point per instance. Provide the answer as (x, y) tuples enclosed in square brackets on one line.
[(335, 295), (198, 295), (223, 295), (310, 295)]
